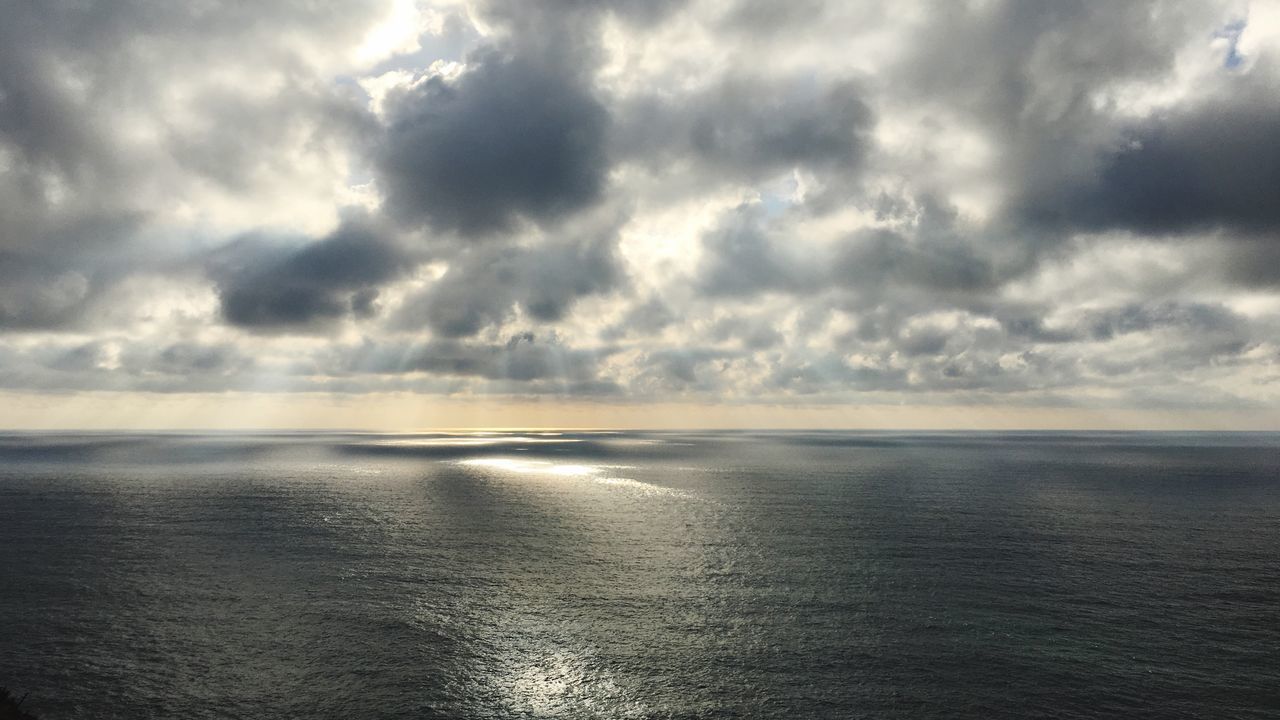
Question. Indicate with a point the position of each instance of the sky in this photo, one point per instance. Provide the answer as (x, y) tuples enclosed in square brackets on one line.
[(405, 214)]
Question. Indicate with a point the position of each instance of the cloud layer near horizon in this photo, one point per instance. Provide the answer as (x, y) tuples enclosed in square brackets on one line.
[(1038, 202)]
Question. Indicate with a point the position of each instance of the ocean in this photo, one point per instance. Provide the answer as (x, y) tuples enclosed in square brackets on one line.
[(641, 575)]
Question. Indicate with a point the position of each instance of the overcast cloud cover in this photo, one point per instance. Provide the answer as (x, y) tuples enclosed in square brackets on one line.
[(1033, 202)]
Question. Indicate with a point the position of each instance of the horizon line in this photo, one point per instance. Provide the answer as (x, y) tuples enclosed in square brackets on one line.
[(545, 430)]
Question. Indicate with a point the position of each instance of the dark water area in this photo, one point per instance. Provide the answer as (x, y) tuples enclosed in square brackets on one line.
[(641, 575)]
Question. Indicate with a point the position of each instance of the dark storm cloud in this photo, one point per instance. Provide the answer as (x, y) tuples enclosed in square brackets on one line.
[(1198, 169), (277, 286), (512, 138), (485, 285)]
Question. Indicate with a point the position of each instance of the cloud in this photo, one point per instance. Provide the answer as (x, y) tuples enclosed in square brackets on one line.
[(751, 333), (542, 18), (740, 258), (278, 286), (522, 362), (682, 370), (884, 258), (647, 318), (764, 16), (524, 357), (508, 140), (748, 253), (485, 286), (746, 129), (123, 365), (989, 202), (116, 116), (37, 295), (1204, 168)]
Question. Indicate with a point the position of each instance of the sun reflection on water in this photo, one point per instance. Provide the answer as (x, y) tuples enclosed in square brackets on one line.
[(565, 684), (601, 474), (476, 440)]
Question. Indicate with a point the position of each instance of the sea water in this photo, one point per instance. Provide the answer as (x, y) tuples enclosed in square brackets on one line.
[(641, 575)]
